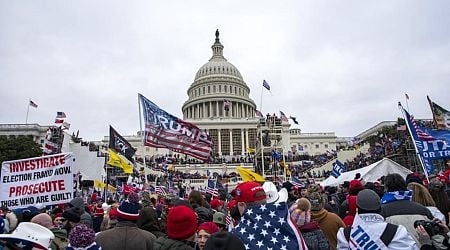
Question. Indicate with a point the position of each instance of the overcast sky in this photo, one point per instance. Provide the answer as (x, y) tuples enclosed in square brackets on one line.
[(338, 66)]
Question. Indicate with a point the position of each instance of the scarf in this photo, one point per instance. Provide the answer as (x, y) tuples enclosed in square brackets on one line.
[(396, 196)]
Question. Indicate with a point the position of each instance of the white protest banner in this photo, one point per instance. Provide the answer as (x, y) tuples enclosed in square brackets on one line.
[(46, 180)]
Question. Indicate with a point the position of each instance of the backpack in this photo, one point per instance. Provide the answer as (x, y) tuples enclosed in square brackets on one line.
[(386, 237)]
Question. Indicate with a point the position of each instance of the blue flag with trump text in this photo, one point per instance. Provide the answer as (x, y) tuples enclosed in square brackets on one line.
[(430, 144), (163, 130), (268, 225), (338, 169)]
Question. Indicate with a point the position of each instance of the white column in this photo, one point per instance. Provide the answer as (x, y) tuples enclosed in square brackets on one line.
[(242, 142), (246, 138), (217, 108), (219, 141), (231, 110), (231, 141), (204, 110), (210, 109)]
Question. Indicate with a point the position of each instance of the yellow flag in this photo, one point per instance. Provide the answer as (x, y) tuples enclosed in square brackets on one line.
[(99, 184), (118, 161), (248, 175)]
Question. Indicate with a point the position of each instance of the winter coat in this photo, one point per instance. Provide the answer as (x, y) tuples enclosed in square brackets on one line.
[(61, 240), (125, 236), (375, 226), (405, 213), (314, 236), (437, 214), (329, 223), (164, 243), (148, 221)]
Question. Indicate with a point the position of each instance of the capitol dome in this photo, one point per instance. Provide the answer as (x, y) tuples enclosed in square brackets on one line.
[(218, 90)]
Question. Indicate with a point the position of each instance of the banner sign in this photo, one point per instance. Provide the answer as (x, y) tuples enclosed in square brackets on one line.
[(163, 130), (46, 180)]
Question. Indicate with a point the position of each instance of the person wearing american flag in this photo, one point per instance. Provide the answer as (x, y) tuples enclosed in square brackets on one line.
[(264, 225)]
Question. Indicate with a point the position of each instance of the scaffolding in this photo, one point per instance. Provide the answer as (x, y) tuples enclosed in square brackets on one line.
[(270, 154)]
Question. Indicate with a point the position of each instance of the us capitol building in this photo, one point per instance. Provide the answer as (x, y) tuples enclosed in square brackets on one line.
[(218, 101)]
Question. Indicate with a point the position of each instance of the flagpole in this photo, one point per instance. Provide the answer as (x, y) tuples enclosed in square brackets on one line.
[(413, 141), (143, 135), (407, 98), (260, 100), (28, 110)]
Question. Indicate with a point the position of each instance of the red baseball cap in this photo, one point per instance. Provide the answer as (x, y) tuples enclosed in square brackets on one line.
[(249, 192)]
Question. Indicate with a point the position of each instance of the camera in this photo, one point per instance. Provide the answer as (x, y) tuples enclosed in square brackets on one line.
[(431, 227)]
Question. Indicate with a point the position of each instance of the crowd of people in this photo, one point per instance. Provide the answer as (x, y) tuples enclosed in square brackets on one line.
[(394, 213)]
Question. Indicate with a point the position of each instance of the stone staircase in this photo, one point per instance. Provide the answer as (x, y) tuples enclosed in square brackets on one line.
[(342, 156)]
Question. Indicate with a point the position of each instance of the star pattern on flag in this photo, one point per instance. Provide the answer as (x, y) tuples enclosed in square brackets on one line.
[(268, 226)]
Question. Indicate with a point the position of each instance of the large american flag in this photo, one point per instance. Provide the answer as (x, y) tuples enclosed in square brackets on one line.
[(212, 188), (163, 130), (268, 226)]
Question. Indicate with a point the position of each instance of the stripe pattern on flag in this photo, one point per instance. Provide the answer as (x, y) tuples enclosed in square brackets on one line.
[(163, 130)]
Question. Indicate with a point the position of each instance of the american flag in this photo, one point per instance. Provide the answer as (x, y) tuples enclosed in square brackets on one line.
[(259, 114), (268, 225), (283, 117), (163, 130), (419, 131), (60, 114), (296, 182), (266, 85), (161, 190), (228, 220), (212, 188)]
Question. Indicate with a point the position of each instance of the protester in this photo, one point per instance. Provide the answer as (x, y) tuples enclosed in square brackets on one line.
[(85, 217), (440, 197), (348, 207), (328, 222), (311, 232), (422, 196), (9, 218), (219, 220), (27, 235), (58, 220), (126, 234), (248, 194), (71, 217), (99, 213), (224, 241), (291, 192), (397, 206), (204, 230), (60, 241), (432, 238), (216, 204), (148, 221), (181, 228), (369, 231), (82, 238)]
